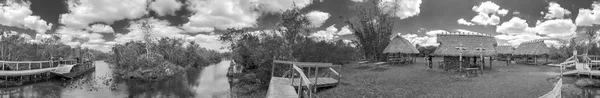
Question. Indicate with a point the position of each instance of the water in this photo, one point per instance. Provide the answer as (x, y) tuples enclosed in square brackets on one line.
[(210, 82)]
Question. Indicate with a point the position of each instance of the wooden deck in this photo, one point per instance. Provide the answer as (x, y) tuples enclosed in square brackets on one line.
[(281, 88), (321, 81), (61, 69)]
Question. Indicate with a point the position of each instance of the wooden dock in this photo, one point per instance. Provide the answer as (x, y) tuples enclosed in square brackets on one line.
[(281, 88), (295, 83)]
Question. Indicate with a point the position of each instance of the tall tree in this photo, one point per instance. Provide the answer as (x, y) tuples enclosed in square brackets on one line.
[(372, 27), (587, 37)]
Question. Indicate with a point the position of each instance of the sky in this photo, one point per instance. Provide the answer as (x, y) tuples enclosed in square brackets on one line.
[(100, 24)]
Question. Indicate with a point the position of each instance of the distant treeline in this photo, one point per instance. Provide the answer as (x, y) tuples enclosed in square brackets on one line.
[(18, 48)]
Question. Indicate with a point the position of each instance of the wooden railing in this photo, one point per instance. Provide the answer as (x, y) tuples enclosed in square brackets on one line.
[(28, 65), (304, 82)]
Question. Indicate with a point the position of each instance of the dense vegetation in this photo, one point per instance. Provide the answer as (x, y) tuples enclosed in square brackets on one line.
[(255, 50), (14, 47), (166, 57), (372, 26)]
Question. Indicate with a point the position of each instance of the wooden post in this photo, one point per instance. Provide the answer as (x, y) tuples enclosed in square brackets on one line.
[(272, 67), (490, 62), (535, 60), (29, 67), (316, 78)]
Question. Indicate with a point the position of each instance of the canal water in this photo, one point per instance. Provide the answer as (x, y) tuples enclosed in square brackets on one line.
[(208, 82)]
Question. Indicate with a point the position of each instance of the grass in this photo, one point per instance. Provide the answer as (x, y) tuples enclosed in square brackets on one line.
[(415, 81)]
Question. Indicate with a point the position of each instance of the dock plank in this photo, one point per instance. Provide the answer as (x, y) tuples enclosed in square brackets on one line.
[(321, 81), (281, 88)]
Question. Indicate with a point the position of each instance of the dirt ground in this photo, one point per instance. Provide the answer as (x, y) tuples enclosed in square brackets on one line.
[(415, 81)]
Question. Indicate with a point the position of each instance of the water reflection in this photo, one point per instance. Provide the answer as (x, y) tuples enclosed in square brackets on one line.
[(210, 81)]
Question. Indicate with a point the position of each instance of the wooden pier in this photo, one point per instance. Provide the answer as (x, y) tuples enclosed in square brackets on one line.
[(295, 83)]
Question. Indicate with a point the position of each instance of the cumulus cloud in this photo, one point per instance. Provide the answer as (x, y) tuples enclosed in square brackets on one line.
[(589, 17), (279, 5), (555, 11), (221, 14), (209, 41), (326, 34), (18, 14), (516, 39), (401, 8), (558, 28), (165, 7), (357, 0), (161, 28), (515, 25), (101, 28), (345, 31), (485, 19), (464, 22), (487, 7), (317, 18), (421, 40), (83, 12), (503, 12)]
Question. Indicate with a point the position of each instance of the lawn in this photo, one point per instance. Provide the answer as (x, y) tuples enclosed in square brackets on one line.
[(415, 81)]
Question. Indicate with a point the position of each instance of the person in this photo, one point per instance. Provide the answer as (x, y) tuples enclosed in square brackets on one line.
[(430, 61)]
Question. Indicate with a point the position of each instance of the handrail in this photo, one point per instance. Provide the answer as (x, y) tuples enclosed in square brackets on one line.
[(302, 76), (332, 70)]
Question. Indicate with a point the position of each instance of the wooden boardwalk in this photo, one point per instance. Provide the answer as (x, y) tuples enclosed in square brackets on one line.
[(281, 88), (63, 68), (295, 83)]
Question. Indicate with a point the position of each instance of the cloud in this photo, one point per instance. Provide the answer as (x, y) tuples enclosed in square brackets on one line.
[(485, 19), (317, 18), (357, 0), (345, 31), (435, 32), (209, 41), (221, 14), (516, 39), (589, 17), (557, 28), (83, 12), (165, 7), (555, 11), (464, 22), (515, 25), (421, 40), (503, 12), (401, 8), (467, 31), (487, 7), (278, 5), (327, 34), (18, 14), (101, 28), (161, 28)]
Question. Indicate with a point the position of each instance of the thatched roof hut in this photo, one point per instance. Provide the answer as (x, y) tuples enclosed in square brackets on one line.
[(400, 45), (450, 41), (505, 49), (534, 47)]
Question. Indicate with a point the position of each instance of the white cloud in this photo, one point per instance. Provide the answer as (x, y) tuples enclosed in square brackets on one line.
[(345, 31), (101, 28), (421, 40), (18, 14), (435, 32), (516, 39), (326, 34), (487, 7), (165, 7), (357, 0), (468, 32), (161, 28), (558, 28), (485, 19), (401, 8), (209, 41), (503, 12), (585, 18), (317, 18), (279, 5), (555, 11), (515, 25), (220, 14), (83, 12), (464, 22)]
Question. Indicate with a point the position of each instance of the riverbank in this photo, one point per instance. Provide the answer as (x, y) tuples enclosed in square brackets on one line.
[(414, 81)]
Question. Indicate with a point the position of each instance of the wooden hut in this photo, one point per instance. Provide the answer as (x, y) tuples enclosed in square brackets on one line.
[(466, 46), (399, 50), (529, 51)]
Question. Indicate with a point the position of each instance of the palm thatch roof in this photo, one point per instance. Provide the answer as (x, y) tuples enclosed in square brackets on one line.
[(400, 45), (505, 49), (470, 41), (534, 47)]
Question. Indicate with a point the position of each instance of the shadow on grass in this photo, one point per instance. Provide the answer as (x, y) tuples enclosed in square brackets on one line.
[(380, 69), (363, 67)]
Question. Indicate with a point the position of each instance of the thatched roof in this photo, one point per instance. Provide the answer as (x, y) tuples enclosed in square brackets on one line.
[(505, 49), (534, 47), (471, 41), (400, 45)]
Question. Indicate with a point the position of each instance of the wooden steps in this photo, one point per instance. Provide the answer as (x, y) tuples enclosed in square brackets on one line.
[(281, 88)]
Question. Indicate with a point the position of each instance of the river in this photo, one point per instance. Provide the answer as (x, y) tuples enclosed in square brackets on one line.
[(209, 82)]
